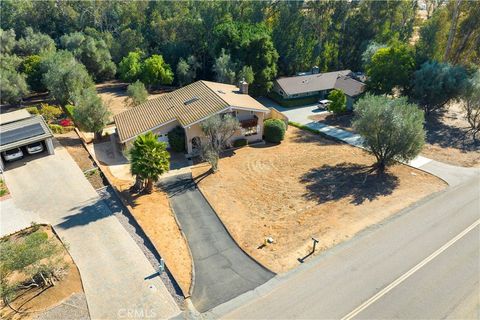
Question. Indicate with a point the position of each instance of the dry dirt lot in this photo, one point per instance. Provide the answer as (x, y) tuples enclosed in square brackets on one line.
[(36, 301), (154, 215), (446, 141), (113, 93), (305, 187)]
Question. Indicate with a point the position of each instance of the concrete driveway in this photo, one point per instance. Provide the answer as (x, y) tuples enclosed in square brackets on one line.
[(112, 266), (222, 270)]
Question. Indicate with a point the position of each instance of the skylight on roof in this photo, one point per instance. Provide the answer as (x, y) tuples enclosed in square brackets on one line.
[(192, 100)]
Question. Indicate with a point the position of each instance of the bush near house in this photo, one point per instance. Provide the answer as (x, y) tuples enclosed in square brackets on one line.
[(339, 102), (176, 139), (59, 129), (240, 143), (274, 130), (33, 110)]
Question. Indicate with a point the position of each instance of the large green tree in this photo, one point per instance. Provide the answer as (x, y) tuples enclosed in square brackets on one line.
[(436, 83), (32, 67), (391, 67), (392, 129), (156, 72), (65, 77), (130, 67), (149, 159)]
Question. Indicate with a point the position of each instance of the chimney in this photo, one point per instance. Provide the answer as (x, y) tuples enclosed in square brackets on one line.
[(243, 86)]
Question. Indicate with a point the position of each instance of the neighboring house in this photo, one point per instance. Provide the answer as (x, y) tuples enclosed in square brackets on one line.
[(187, 107), (318, 85)]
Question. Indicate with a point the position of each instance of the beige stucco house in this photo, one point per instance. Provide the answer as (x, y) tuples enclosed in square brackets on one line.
[(187, 107)]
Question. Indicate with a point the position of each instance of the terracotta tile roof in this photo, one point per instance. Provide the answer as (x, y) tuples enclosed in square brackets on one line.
[(187, 105)]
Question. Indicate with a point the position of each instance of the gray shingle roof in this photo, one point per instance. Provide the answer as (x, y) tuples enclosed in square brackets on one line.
[(321, 81)]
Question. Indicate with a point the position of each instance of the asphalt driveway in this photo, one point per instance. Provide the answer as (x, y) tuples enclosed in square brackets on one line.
[(115, 273), (222, 270)]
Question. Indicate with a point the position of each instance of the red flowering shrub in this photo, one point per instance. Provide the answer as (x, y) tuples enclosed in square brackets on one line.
[(65, 122)]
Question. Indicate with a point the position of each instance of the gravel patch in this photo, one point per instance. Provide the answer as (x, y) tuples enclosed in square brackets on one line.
[(72, 308), (137, 234)]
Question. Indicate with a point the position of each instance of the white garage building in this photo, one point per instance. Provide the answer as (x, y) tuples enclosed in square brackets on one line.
[(20, 128)]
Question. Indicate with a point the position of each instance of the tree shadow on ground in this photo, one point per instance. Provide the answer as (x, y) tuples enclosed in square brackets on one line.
[(447, 136), (304, 136), (84, 215), (331, 183), (343, 121)]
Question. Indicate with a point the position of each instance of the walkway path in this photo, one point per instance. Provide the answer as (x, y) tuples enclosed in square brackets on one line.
[(222, 270), (115, 273)]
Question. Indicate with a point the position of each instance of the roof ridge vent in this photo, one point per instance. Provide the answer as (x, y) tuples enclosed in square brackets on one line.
[(192, 100)]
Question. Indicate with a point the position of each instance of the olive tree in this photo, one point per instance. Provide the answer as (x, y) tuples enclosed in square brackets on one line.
[(65, 77), (91, 114), (437, 83), (471, 104), (224, 68), (13, 85), (392, 129), (218, 129), (136, 94), (93, 53)]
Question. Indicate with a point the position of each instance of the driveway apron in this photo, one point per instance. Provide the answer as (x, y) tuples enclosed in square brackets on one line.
[(222, 270)]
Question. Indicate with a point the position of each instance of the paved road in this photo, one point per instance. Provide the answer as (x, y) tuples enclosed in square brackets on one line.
[(111, 264), (222, 270), (339, 281)]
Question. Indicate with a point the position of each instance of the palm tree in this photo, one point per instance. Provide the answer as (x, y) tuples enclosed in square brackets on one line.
[(149, 159)]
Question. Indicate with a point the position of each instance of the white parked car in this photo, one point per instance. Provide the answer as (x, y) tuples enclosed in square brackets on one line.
[(13, 154), (34, 148), (323, 104)]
